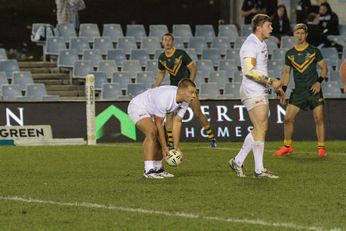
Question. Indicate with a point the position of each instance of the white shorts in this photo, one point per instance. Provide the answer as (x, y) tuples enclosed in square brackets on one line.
[(255, 101), (137, 113)]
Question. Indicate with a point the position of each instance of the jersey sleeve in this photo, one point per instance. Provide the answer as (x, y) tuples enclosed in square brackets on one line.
[(319, 55), (186, 59), (287, 60), (159, 64), (181, 111)]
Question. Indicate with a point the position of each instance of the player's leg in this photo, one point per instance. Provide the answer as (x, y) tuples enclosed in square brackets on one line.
[(291, 113), (319, 121), (158, 163), (196, 108), (150, 147), (168, 126)]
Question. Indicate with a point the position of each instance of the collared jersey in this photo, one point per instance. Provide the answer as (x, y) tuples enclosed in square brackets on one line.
[(254, 48), (303, 62), (159, 101), (176, 65)]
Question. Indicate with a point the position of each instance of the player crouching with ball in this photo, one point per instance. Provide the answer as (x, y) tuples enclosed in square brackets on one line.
[(148, 111)]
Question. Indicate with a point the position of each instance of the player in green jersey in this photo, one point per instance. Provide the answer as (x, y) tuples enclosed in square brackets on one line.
[(179, 66), (307, 94)]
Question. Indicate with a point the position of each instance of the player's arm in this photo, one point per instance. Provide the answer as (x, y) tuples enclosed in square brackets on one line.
[(251, 72), (162, 136), (193, 70), (285, 79), (177, 121), (316, 87), (244, 13), (159, 77)]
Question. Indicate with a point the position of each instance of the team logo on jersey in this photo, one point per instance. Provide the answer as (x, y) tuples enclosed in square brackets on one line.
[(307, 55)]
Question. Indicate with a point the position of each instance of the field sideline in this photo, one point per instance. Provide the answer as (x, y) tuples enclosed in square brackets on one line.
[(102, 188)]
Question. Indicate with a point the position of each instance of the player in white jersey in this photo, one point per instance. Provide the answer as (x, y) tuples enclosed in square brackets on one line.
[(253, 94), (148, 111)]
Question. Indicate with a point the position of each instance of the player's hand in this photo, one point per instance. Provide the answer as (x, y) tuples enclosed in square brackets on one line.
[(276, 84), (165, 152), (281, 96), (316, 88)]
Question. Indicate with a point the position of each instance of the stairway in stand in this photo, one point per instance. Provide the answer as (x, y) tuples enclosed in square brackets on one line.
[(57, 81)]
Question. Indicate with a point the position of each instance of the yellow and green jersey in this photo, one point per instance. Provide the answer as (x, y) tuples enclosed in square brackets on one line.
[(304, 64), (176, 65)]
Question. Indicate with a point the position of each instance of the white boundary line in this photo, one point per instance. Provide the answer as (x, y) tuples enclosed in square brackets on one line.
[(164, 213)]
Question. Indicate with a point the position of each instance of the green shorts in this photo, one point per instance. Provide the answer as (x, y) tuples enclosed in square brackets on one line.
[(304, 99)]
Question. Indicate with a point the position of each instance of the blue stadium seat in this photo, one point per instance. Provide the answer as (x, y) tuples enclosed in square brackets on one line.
[(232, 90), (111, 91), (279, 53), (192, 53), (134, 89), (3, 55), (103, 44), (198, 43), (287, 42), (132, 66), (342, 29), (89, 30), (11, 92), (67, 31), (136, 31), (222, 43), (158, 30), (209, 91), (108, 67), (205, 66), (183, 31), (146, 77), (230, 31), (245, 30), (54, 45), (228, 65), (82, 68), (9, 66), (114, 31), (100, 79), (213, 54), (151, 44), (218, 77), (37, 92), (80, 44), (206, 31), (179, 42), (237, 77), (118, 55), (152, 65), (67, 58), (95, 56), (122, 78), (141, 55), (329, 53), (239, 42), (22, 78), (127, 44), (331, 89), (234, 54), (3, 78)]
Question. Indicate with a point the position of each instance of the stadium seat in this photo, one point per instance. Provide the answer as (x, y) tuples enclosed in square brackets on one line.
[(245, 30), (34, 29), (100, 79), (329, 53), (209, 91), (287, 42), (152, 65), (141, 55), (206, 31), (228, 65), (54, 45), (67, 58), (122, 78), (276, 66), (213, 54), (146, 77), (334, 76), (132, 66), (134, 89), (331, 89), (205, 66), (183, 31), (179, 42), (201, 77), (89, 30), (192, 53), (3, 78), (136, 31), (231, 90), (111, 91), (3, 55), (22, 78), (9, 66), (271, 45), (82, 68), (95, 56), (230, 31), (127, 44), (118, 55), (234, 54), (239, 42), (108, 67), (103, 44), (198, 43), (237, 77), (279, 53), (11, 92), (342, 29), (339, 39), (114, 31), (218, 77), (221, 43), (157, 30), (151, 44), (37, 92), (80, 44), (67, 31)]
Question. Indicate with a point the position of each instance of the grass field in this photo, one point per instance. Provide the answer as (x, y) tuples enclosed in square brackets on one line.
[(102, 188)]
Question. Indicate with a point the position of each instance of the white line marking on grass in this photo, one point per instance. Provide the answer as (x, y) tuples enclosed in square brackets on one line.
[(164, 213)]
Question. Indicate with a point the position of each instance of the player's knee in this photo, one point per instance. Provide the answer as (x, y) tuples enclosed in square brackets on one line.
[(318, 120), (288, 120), (151, 134)]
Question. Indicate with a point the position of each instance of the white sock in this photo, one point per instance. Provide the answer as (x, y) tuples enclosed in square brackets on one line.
[(148, 164), (157, 164), (245, 150), (258, 151)]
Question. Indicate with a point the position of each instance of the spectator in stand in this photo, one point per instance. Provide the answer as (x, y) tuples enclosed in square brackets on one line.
[(250, 8), (329, 21), (302, 10), (67, 11), (316, 37), (271, 6), (280, 23)]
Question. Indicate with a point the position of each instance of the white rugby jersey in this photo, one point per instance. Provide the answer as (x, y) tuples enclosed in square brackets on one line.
[(254, 48), (159, 101)]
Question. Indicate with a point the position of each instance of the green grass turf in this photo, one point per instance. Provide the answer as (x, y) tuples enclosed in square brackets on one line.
[(310, 194)]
